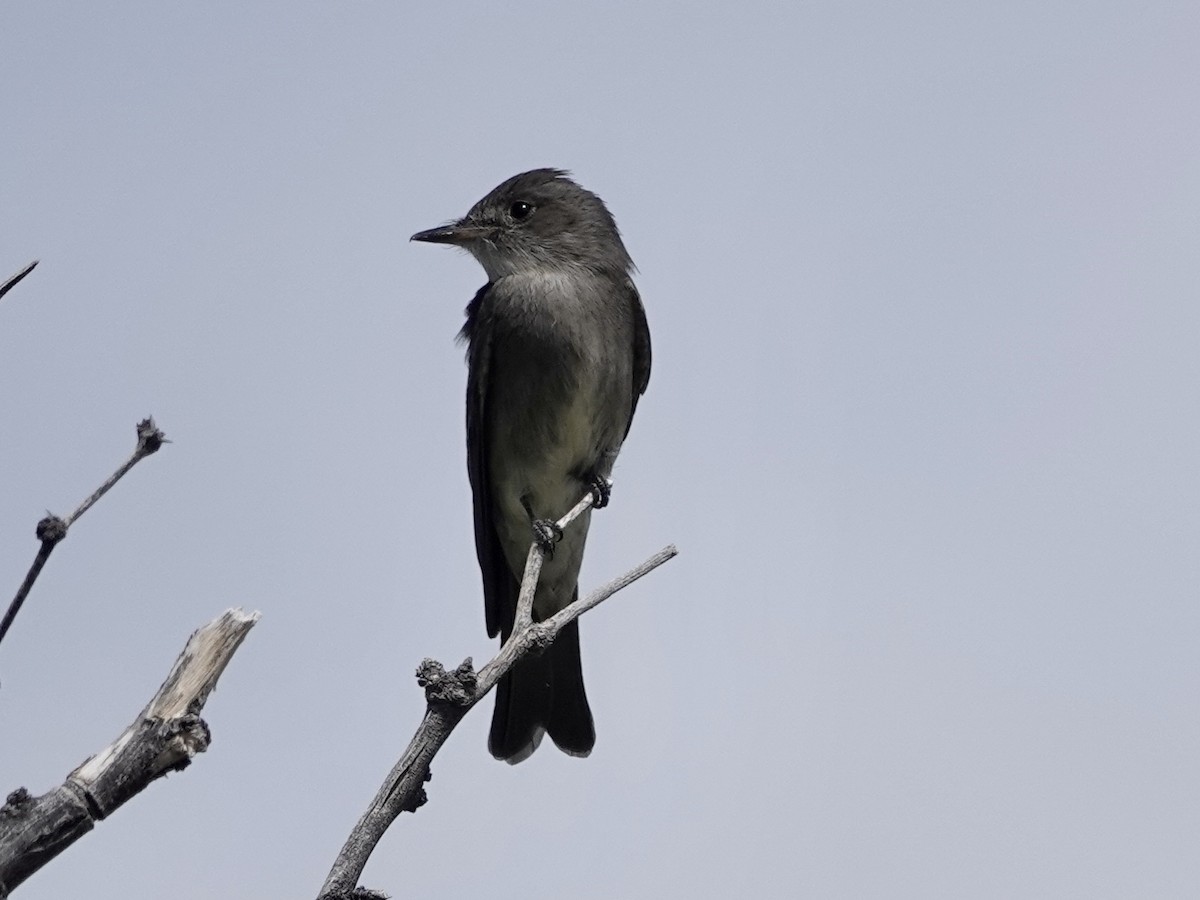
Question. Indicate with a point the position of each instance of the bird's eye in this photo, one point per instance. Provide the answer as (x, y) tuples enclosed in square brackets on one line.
[(520, 210)]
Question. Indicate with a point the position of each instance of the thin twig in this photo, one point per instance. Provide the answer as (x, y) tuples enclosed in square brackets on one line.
[(534, 561), (449, 697), (569, 613), (602, 593), (52, 529), (12, 282), (521, 642), (163, 738), (150, 439)]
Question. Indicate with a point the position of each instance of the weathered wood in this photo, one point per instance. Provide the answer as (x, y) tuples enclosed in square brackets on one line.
[(163, 738)]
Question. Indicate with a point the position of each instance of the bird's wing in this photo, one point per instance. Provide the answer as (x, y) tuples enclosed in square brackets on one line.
[(641, 351), (499, 590)]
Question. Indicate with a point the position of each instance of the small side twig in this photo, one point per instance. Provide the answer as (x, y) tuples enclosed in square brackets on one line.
[(449, 697), (12, 282), (162, 738), (523, 642), (52, 529)]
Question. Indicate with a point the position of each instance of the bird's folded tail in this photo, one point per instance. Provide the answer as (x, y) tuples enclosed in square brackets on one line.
[(543, 694)]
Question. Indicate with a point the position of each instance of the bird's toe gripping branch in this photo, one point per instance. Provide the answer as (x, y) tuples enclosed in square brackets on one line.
[(547, 533), (601, 489)]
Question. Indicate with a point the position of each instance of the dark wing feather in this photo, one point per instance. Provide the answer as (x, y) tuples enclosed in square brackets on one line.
[(641, 351), (499, 589)]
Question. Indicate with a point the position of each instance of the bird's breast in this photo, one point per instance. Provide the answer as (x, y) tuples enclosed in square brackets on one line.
[(559, 384)]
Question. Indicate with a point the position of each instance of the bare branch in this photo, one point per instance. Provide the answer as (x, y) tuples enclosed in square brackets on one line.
[(449, 697), (533, 566), (53, 529), (602, 593), (541, 634), (12, 282), (150, 439), (162, 738)]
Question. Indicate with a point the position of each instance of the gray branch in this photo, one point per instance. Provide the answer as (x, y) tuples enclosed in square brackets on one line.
[(53, 529), (449, 697), (12, 282), (162, 739)]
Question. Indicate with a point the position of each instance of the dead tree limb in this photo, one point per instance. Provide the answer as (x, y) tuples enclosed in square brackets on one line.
[(163, 738), (53, 529), (12, 282), (449, 697)]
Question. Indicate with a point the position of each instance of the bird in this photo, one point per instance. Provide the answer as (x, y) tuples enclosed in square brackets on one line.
[(558, 354)]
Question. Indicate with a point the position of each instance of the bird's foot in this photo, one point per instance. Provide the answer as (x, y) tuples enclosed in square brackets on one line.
[(547, 533), (601, 491)]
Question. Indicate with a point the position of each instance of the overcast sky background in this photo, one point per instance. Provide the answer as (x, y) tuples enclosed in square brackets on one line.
[(922, 281)]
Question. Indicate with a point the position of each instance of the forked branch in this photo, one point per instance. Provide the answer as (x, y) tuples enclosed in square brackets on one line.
[(450, 696)]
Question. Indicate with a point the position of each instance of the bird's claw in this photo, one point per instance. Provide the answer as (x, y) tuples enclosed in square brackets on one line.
[(547, 533), (601, 490)]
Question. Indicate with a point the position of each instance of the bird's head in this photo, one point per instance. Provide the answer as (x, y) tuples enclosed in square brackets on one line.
[(539, 220)]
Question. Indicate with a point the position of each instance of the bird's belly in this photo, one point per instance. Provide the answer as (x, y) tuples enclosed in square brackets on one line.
[(550, 492), (543, 456), (538, 460)]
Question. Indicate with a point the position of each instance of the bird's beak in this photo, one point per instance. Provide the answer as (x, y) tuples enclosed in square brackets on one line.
[(461, 232)]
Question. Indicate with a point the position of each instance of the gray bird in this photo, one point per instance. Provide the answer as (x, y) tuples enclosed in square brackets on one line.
[(558, 353)]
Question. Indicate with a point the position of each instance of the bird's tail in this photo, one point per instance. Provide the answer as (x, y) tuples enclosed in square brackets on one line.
[(543, 694)]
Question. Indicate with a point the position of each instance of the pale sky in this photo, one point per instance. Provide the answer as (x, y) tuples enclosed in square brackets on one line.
[(922, 281)]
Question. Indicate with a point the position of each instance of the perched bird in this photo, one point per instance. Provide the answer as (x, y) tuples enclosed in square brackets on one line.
[(558, 354)]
